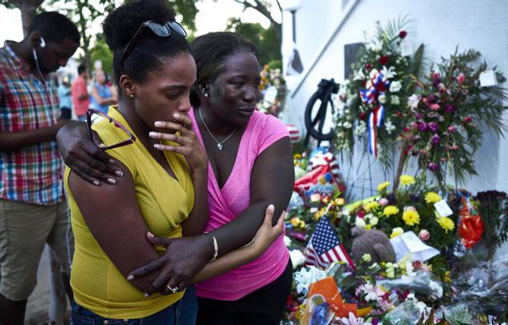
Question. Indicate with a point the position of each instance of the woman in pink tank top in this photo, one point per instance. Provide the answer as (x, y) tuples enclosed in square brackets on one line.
[(250, 166)]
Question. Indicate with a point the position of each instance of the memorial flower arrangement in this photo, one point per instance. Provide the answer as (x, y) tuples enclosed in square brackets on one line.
[(448, 110), (372, 104)]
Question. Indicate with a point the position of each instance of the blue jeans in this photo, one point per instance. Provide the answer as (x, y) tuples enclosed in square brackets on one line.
[(182, 312)]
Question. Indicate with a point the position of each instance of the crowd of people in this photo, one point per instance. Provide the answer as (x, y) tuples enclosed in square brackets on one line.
[(170, 207)]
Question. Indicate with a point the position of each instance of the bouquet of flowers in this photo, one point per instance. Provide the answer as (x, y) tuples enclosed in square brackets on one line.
[(372, 105), (408, 208), (273, 89), (448, 108)]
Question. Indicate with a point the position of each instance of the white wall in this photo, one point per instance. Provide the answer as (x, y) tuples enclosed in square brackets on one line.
[(440, 25)]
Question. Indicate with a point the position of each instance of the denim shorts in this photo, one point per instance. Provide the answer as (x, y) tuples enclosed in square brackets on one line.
[(182, 312)]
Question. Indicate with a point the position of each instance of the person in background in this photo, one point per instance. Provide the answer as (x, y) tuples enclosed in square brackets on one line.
[(64, 95), (79, 91), (33, 210), (102, 94)]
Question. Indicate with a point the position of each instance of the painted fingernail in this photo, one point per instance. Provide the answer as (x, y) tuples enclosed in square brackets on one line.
[(97, 183), (111, 181), (102, 145), (118, 173), (130, 277), (158, 123), (153, 135), (158, 146), (149, 234), (176, 115), (147, 295)]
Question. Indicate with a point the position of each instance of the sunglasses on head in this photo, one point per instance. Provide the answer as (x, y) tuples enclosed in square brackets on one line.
[(117, 124), (161, 30)]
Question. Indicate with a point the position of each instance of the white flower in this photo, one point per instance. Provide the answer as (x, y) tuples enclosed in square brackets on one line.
[(366, 257), (395, 86), (306, 276), (297, 258), (352, 320), (395, 100), (359, 75), (389, 126), (374, 221), (347, 125), (413, 101), (359, 222), (362, 127), (376, 46), (287, 240), (382, 98), (388, 73), (373, 73)]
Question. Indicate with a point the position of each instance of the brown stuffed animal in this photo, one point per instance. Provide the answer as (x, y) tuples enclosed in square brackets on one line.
[(373, 242)]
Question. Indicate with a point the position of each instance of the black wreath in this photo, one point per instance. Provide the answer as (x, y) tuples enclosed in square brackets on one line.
[(325, 90)]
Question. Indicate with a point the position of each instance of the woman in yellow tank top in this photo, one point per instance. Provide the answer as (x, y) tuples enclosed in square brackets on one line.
[(154, 73)]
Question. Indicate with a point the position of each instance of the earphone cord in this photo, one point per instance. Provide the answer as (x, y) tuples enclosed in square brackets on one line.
[(37, 66)]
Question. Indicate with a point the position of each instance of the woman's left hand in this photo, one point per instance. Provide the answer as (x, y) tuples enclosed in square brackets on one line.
[(267, 233), (189, 145)]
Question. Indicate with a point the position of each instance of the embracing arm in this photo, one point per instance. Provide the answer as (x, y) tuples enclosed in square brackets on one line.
[(117, 224), (100, 100), (271, 181)]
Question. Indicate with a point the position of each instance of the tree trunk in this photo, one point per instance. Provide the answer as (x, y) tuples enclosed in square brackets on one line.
[(28, 9)]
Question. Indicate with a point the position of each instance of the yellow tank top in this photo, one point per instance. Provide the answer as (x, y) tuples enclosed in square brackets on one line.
[(164, 203)]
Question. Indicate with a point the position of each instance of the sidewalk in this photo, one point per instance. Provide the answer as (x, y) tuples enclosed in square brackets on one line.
[(38, 303)]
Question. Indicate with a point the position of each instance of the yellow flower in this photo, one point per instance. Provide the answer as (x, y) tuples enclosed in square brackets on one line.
[(368, 227), (302, 224), (446, 223), (390, 270), (371, 206), (339, 201), (390, 210), (396, 232), (432, 197), (448, 278), (298, 156), (411, 217), (366, 257), (295, 222), (382, 186), (406, 180)]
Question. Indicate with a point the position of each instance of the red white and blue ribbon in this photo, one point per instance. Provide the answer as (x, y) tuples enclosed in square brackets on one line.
[(375, 121)]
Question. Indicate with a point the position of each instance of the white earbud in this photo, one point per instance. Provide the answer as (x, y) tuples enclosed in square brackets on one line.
[(43, 43)]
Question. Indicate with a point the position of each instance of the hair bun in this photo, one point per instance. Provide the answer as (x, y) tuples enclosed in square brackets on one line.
[(121, 24)]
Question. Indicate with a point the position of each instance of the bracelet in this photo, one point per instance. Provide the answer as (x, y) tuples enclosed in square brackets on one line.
[(215, 247)]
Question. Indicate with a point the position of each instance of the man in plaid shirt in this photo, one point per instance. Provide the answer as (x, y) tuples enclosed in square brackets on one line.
[(33, 210)]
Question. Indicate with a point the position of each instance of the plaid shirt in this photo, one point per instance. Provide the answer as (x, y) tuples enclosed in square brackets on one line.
[(32, 174)]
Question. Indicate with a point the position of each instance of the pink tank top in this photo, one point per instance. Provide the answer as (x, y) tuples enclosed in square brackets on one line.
[(226, 203)]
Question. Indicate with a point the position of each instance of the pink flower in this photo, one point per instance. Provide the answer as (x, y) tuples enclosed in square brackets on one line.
[(414, 125), (452, 128), (383, 201), (434, 107), (461, 78), (467, 119), (449, 108), (424, 235), (435, 75), (433, 167)]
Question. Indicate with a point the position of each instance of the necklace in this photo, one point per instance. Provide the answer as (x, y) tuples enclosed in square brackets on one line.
[(219, 143)]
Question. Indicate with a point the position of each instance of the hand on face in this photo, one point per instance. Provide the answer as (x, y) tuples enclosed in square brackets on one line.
[(182, 134)]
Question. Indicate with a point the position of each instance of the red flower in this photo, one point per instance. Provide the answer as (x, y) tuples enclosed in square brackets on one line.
[(360, 214), (384, 59), (363, 116), (368, 66), (467, 119), (363, 83), (402, 34)]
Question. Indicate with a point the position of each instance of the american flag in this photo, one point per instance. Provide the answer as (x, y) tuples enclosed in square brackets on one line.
[(324, 246)]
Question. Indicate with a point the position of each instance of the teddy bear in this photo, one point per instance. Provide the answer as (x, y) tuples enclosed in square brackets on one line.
[(373, 242)]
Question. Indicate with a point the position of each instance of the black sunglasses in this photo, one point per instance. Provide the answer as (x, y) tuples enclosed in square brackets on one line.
[(161, 30)]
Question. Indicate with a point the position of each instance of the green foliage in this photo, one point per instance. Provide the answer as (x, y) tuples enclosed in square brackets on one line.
[(265, 40), (101, 52)]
